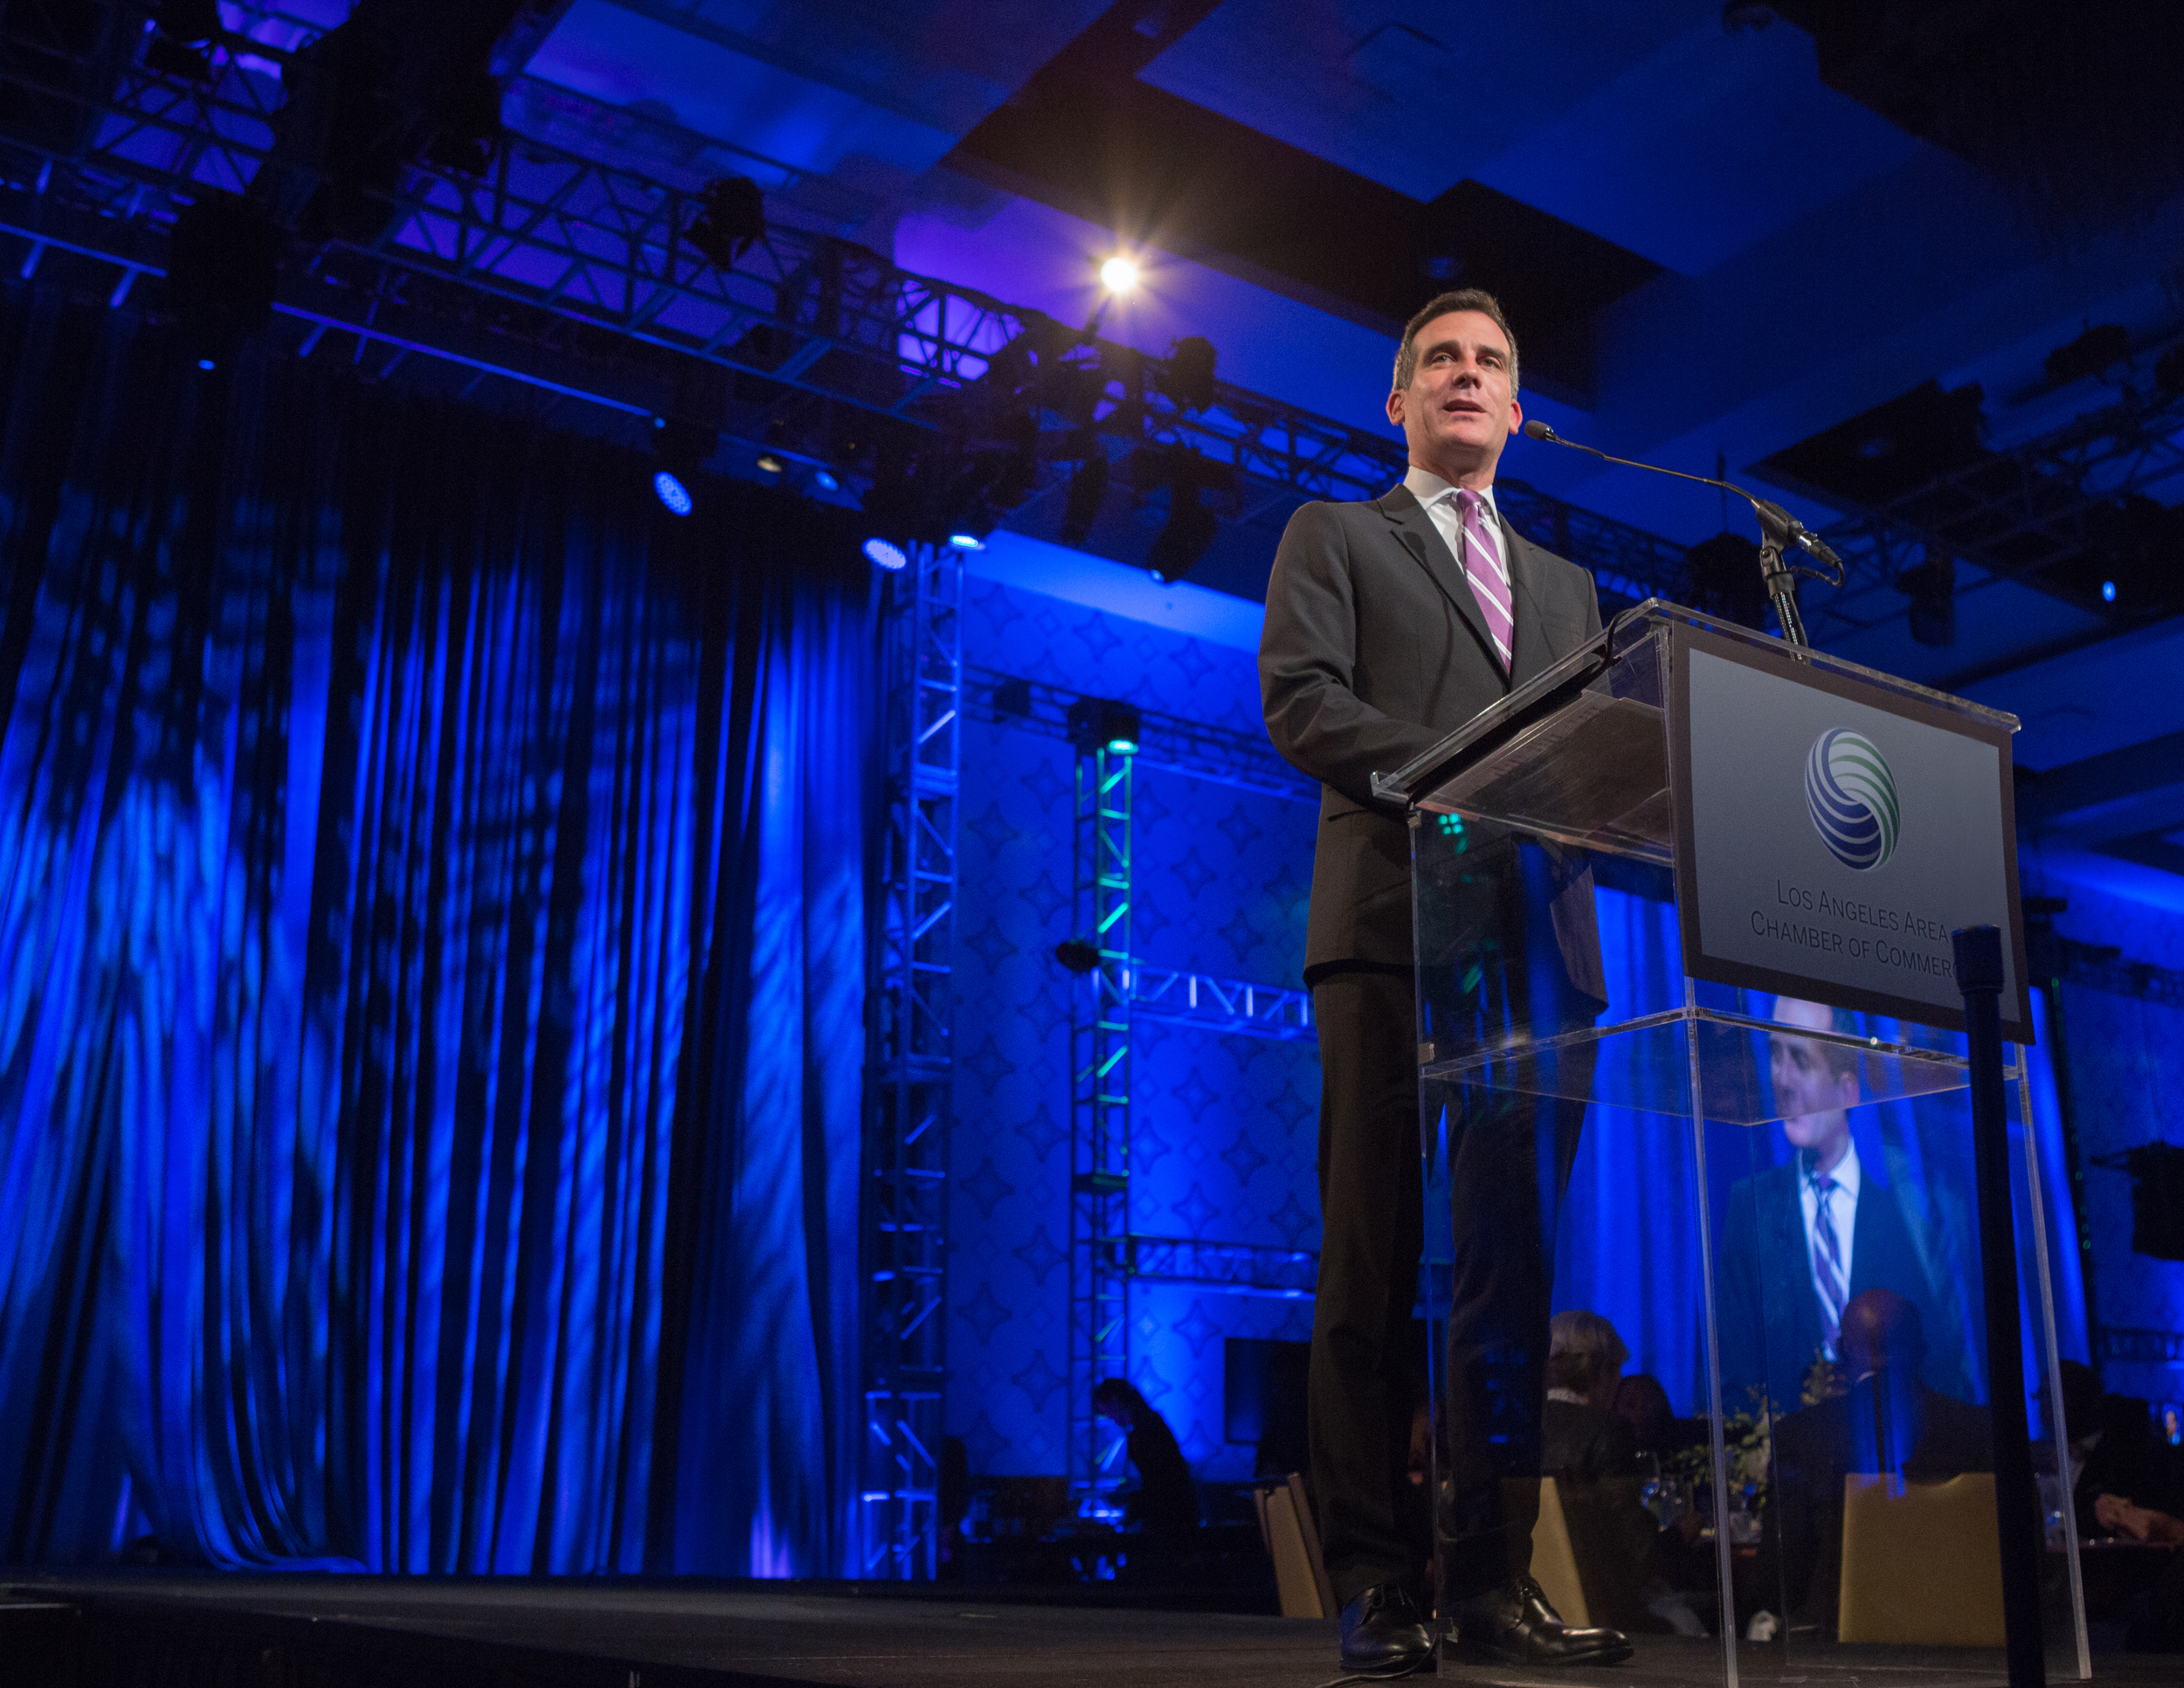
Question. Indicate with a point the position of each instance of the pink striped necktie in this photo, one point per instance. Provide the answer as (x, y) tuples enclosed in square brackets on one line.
[(1827, 1262), (1482, 566)]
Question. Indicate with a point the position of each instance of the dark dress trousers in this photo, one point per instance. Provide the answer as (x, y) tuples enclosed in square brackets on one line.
[(1374, 650), (1769, 1311)]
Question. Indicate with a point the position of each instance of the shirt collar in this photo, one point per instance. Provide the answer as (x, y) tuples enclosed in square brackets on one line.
[(1844, 1172), (1425, 487)]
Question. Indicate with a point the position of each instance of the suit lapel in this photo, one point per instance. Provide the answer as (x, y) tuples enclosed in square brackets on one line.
[(1423, 541), (1800, 1299), (1530, 653)]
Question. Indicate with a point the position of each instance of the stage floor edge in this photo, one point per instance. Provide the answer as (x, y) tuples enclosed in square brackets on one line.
[(154, 1628)]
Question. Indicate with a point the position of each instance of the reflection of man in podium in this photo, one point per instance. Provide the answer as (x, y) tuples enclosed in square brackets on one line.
[(1390, 623), (1803, 1239)]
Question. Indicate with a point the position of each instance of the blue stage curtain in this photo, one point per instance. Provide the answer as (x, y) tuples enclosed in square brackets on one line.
[(431, 953)]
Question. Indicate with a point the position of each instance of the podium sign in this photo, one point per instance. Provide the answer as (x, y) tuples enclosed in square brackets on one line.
[(1830, 835)]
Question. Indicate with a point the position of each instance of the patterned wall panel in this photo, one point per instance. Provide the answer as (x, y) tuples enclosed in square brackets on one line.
[(1225, 1129), (2122, 1056)]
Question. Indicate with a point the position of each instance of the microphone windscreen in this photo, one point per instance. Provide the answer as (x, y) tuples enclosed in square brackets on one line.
[(1535, 429)]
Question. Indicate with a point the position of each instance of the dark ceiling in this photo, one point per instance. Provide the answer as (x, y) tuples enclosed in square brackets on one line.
[(1917, 267)]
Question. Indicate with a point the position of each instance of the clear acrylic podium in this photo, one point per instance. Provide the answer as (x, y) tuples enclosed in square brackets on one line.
[(1780, 1498)]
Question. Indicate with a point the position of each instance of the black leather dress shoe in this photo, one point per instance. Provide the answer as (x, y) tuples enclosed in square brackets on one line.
[(1514, 1625), (1382, 1635)]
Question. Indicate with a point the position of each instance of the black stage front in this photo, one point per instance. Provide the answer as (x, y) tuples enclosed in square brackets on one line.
[(168, 1630)]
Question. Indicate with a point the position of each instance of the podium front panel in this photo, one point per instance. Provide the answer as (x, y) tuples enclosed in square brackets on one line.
[(1607, 1134)]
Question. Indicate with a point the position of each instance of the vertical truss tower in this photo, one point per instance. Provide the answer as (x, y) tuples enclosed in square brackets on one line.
[(910, 1073), (1099, 1107)]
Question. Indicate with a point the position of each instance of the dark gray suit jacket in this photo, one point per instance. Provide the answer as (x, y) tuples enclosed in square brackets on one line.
[(1374, 650)]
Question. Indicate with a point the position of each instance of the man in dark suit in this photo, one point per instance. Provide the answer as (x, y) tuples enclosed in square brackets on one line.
[(1390, 623), (1888, 1423), (1803, 1239)]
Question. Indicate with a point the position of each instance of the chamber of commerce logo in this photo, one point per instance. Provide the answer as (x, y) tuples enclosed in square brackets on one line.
[(1852, 796)]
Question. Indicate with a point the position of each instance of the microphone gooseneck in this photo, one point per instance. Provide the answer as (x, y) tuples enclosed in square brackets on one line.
[(1777, 528)]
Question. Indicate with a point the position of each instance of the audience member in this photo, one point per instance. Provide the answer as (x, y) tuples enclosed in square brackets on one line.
[(1889, 1423), (1643, 1403), (1802, 1239), (1165, 1500), (2114, 1453), (2157, 1624), (1582, 1438)]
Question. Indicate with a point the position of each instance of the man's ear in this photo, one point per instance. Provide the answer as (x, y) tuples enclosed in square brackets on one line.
[(1395, 405), (1516, 415)]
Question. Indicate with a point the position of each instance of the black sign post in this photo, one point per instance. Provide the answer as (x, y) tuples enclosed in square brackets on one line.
[(1978, 968)]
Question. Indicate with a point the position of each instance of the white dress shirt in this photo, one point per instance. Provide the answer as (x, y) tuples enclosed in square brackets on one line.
[(1434, 492), (1842, 1214)]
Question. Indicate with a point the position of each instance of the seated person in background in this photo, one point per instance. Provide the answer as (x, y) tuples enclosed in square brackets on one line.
[(2156, 1619), (1643, 1403), (1631, 1568), (1582, 1438), (1802, 1239), (2114, 1455), (1887, 1423), (1165, 1501)]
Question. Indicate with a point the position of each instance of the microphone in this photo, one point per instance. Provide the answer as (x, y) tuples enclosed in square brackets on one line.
[(1777, 528), (1772, 517)]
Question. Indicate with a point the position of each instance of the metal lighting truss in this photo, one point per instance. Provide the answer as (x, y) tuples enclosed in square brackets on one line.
[(1242, 1268), (2015, 514), (1221, 1005), (534, 265), (1099, 1110), (905, 1218), (1245, 762)]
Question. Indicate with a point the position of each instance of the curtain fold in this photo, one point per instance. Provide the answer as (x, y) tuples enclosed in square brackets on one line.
[(391, 800)]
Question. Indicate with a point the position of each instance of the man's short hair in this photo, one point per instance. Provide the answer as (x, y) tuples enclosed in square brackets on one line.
[(1464, 299)]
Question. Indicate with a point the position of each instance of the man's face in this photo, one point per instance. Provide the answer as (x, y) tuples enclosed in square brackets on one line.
[(1459, 409), (1813, 1094)]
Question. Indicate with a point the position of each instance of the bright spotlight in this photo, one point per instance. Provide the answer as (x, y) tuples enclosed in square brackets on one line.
[(825, 479), (673, 492), (769, 464), (885, 553), (1118, 275), (2108, 592), (966, 541)]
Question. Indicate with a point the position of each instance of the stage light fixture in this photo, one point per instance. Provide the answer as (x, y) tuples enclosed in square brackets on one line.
[(1088, 487), (733, 221), (223, 258), (769, 464), (2108, 592), (1119, 275), (827, 481), (1102, 723), (1931, 588), (967, 542), (1187, 376), (1190, 527), (680, 450), (2095, 352), (885, 553), (183, 33), (1076, 955)]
